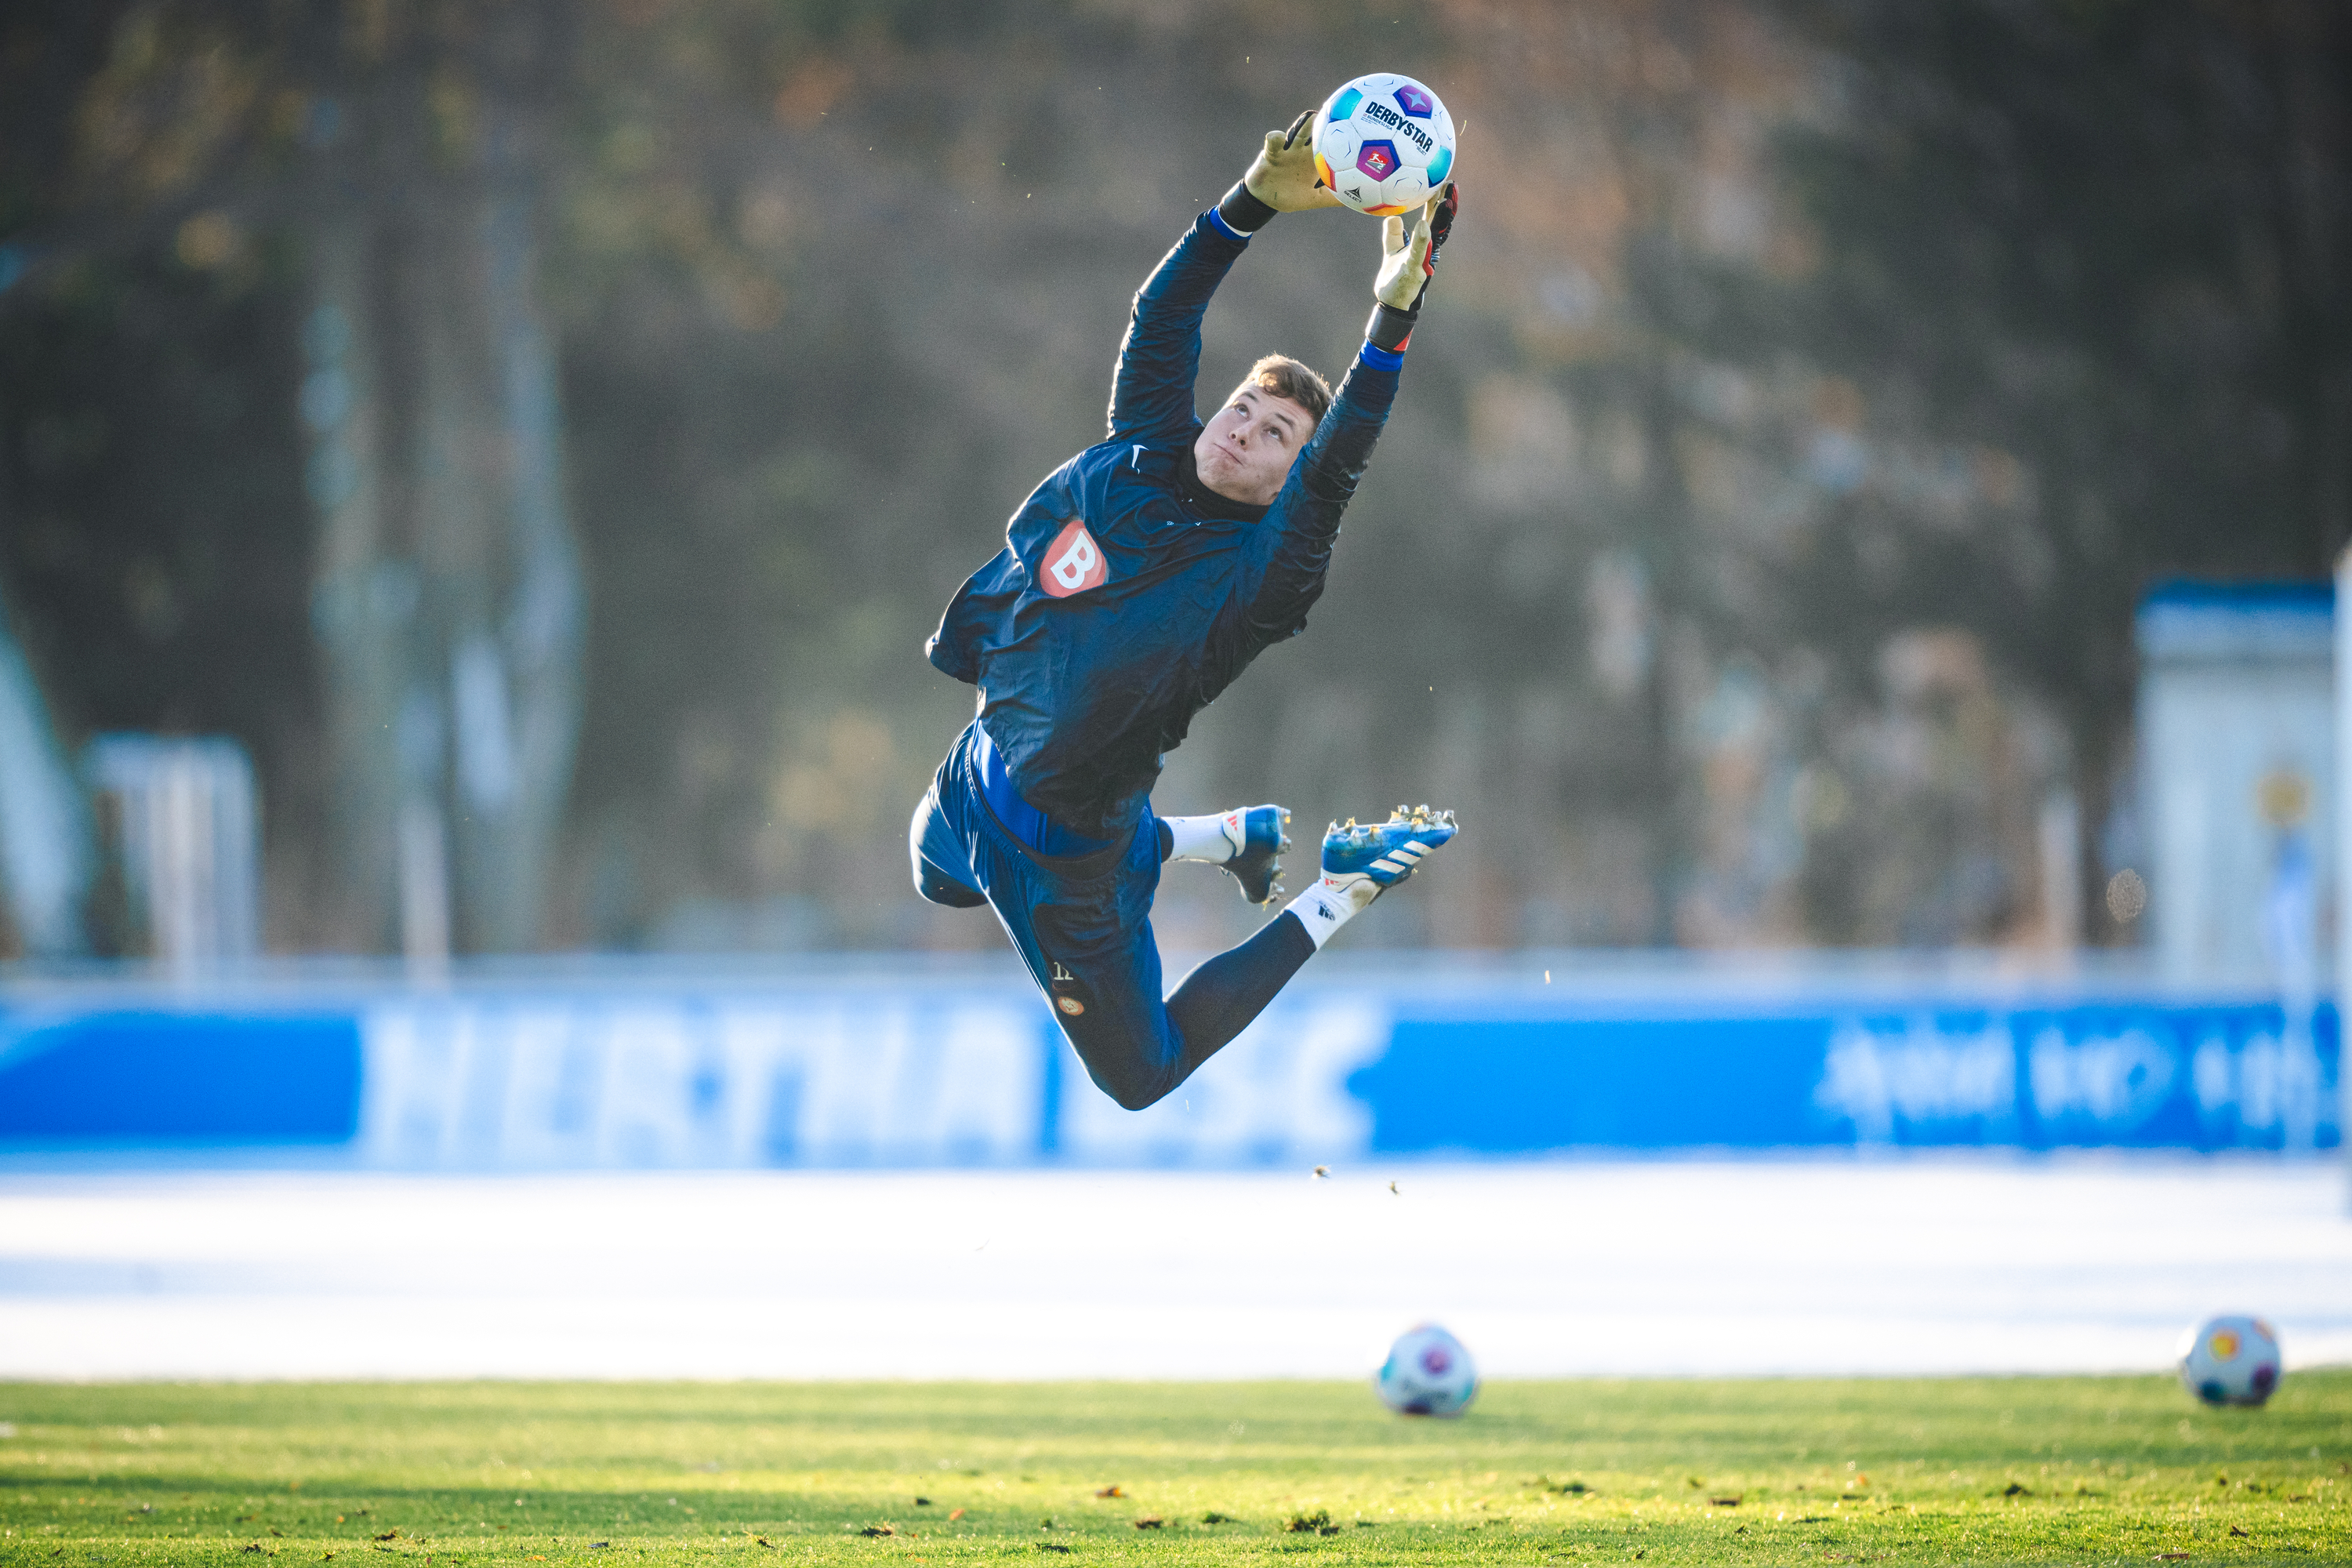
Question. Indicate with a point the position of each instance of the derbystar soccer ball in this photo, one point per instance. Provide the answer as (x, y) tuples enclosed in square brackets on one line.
[(1385, 145), (1427, 1374), (2230, 1361)]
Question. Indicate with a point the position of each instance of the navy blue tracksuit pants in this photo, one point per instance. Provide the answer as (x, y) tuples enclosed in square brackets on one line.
[(1083, 925)]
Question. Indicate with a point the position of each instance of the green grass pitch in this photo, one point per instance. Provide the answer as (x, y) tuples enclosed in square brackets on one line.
[(2118, 1470)]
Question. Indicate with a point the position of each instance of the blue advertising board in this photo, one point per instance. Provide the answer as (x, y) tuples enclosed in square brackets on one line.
[(2149, 1075), (873, 1071)]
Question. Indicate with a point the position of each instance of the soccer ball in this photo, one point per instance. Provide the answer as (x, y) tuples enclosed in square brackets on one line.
[(1383, 144), (1427, 1374), (2230, 1361)]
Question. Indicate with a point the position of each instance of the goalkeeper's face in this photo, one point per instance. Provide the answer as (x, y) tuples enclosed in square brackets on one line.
[(1246, 450)]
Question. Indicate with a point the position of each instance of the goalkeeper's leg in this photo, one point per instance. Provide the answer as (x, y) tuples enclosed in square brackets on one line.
[(1247, 841), (1218, 1000), (1083, 927)]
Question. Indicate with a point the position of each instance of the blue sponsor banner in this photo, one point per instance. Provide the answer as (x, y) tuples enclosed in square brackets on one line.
[(2206, 1078), (155, 1076), (873, 1071)]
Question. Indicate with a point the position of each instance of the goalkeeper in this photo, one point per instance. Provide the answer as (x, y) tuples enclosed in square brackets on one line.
[(1136, 582)]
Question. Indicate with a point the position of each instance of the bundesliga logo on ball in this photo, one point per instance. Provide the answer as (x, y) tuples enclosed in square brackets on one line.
[(1384, 144)]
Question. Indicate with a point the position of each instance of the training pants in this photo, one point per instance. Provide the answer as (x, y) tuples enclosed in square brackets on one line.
[(1083, 925)]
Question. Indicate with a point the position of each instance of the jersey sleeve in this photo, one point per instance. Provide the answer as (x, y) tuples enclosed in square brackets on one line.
[(1152, 390), (1292, 547)]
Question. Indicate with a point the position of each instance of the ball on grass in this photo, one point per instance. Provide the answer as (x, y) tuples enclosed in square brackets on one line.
[(2231, 1360), (1428, 1372)]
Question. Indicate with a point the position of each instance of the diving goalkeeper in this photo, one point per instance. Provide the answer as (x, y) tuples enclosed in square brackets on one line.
[(1136, 582)]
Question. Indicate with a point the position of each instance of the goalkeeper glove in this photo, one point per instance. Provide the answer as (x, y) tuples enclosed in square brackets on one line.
[(1281, 179), (1406, 268)]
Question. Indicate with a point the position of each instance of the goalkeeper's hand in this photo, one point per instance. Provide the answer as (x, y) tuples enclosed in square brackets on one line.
[(1283, 175), (1407, 266)]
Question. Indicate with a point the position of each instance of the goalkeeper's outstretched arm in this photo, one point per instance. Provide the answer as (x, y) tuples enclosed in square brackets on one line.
[(1302, 524), (1151, 389)]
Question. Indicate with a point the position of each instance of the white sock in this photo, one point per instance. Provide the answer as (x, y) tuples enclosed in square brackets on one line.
[(1326, 905), (1215, 839)]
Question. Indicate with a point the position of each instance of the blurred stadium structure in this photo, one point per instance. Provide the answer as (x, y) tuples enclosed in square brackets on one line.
[(186, 848), (2239, 718)]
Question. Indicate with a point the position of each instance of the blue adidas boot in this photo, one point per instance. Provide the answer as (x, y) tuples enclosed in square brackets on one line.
[(1363, 860), (1259, 834)]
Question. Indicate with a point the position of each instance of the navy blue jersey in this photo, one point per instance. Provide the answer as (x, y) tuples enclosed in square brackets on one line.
[(1128, 594)]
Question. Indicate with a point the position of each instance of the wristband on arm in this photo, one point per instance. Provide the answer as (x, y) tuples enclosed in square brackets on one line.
[(1242, 213), (1391, 329)]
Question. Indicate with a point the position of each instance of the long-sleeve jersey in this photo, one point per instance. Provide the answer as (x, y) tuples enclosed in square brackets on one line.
[(1129, 594)]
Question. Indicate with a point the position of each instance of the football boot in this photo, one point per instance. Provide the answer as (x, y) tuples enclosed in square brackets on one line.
[(1363, 860), (1259, 834)]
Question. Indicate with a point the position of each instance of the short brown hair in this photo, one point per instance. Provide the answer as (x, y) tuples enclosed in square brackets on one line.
[(1286, 377)]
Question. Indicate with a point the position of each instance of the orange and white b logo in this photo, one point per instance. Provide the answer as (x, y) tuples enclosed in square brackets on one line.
[(1074, 562)]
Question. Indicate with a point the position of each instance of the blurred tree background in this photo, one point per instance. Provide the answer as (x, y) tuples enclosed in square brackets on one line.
[(547, 433)]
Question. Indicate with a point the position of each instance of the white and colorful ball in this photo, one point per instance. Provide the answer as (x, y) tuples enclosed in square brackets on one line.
[(2231, 1360), (1427, 1374), (1383, 144)]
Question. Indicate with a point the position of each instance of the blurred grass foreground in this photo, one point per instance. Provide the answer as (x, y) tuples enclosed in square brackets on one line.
[(1978, 1470)]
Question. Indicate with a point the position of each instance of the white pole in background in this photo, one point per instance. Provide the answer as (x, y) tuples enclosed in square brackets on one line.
[(2059, 829), (425, 894), (48, 849)]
